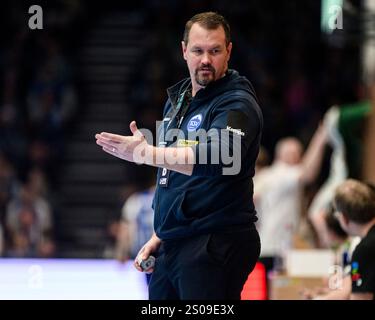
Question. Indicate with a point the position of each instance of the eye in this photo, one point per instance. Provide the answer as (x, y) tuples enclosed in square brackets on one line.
[(215, 51), (197, 51)]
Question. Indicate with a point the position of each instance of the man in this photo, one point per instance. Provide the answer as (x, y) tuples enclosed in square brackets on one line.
[(355, 205), (343, 245), (278, 194), (205, 239)]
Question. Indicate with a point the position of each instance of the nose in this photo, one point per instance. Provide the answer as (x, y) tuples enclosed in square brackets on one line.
[(206, 59)]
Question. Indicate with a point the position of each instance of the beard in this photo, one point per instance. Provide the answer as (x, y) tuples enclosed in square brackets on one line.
[(204, 79)]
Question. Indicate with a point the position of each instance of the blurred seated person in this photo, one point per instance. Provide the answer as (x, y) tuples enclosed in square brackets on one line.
[(51, 100), (339, 240), (8, 183), (28, 223), (339, 284), (355, 209)]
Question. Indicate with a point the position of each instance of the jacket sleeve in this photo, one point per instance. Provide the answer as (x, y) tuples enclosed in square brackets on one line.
[(236, 123)]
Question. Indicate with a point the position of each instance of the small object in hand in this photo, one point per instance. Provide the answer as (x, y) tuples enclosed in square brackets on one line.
[(147, 264)]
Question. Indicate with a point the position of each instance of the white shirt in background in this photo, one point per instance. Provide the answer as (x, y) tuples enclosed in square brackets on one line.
[(277, 195)]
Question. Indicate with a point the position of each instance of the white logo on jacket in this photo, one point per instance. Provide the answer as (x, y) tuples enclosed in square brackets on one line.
[(236, 131), (194, 123)]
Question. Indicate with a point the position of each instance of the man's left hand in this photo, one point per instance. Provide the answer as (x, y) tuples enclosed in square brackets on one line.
[(130, 148)]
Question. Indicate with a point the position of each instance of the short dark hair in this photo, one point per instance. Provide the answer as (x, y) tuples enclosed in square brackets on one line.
[(356, 201), (209, 21)]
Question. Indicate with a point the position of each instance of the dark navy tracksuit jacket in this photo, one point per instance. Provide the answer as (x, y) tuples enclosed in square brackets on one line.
[(209, 201)]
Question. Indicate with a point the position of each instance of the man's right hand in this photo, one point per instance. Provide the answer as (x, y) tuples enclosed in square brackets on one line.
[(150, 247)]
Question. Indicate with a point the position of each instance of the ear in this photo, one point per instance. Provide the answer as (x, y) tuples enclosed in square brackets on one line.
[(343, 220), (184, 48), (229, 49)]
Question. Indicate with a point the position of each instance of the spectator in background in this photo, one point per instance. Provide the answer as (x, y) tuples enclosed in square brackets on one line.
[(29, 225), (51, 98), (355, 205), (343, 246), (37, 182), (12, 135), (278, 193), (8, 184), (51, 103), (339, 240), (136, 225)]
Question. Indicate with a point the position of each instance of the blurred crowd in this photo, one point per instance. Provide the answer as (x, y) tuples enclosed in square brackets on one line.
[(38, 102)]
